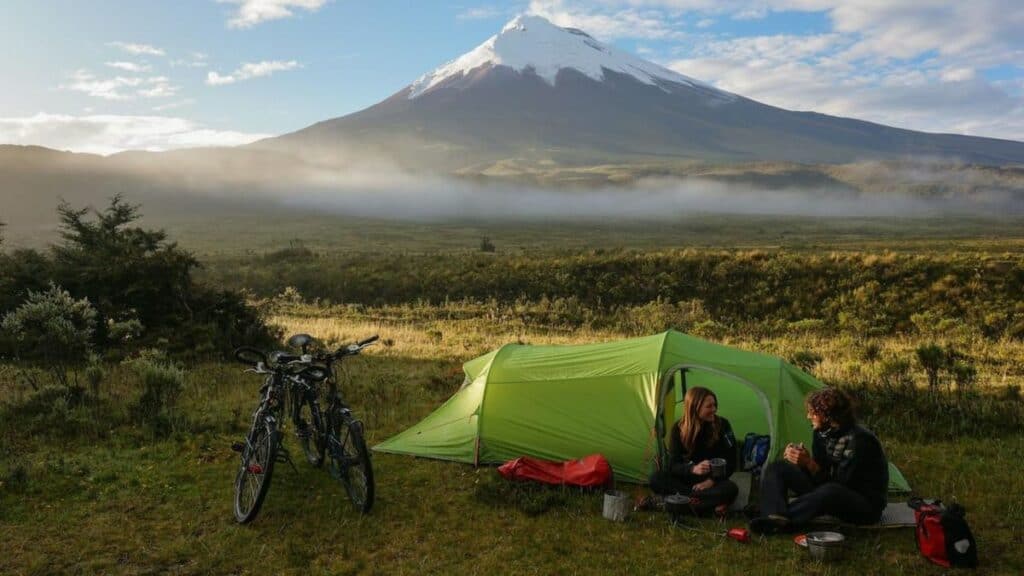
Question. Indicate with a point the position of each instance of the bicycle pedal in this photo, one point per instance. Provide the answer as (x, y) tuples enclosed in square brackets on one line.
[(237, 446)]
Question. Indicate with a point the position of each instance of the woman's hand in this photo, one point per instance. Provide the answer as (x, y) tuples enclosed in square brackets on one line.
[(702, 468), (701, 486)]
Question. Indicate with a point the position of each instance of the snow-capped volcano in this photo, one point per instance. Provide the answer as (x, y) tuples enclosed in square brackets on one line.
[(538, 94), (531, 43)]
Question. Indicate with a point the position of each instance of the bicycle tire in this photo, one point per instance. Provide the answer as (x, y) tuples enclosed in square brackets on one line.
[(311, 439), (255, 470), (350, 461)]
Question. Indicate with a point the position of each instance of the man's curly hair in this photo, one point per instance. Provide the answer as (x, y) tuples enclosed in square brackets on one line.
[(831, 405)]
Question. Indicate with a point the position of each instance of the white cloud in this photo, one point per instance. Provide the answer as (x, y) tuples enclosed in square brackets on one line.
[(799, 74), (481, 13), (120, 87), (250, 70), (253, 12), (174, 105), (109, 134), (195, 60), (130, 66), (918, 64), (608, 24), (140, 49)]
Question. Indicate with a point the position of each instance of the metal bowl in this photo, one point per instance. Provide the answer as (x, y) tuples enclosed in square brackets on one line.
[(677, 505), (826, 546)]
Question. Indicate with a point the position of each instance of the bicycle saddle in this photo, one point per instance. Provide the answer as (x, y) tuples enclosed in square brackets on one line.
[(300, 341)]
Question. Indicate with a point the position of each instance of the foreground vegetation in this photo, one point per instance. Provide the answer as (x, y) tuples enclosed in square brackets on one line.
[(142, 499), (115, 455)]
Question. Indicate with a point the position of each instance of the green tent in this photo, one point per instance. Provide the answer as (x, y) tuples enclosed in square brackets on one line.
[(617, 398)]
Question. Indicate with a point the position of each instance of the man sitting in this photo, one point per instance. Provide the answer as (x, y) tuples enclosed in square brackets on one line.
[(845, 474)]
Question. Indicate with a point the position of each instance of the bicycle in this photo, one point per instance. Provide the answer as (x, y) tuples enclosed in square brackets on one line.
[(294, 382)]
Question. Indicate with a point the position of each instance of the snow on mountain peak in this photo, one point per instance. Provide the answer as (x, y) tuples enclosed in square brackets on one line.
[(535, 43)]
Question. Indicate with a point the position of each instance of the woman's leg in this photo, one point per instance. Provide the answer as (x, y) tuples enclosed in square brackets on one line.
[(664, 483), (723, 492), (835, 500)]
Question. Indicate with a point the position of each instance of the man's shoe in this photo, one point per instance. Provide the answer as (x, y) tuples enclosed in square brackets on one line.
[(771, 524)]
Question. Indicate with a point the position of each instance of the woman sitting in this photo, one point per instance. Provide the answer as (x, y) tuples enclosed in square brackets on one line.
[(699, 437), (845, 475)]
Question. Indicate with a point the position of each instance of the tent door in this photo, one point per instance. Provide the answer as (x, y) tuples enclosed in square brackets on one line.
[(675, 379)]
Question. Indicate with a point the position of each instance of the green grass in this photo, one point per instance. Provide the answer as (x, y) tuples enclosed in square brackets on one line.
[(118, 501)]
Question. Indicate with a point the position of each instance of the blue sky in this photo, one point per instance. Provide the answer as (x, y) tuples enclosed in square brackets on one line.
[(104, 75)]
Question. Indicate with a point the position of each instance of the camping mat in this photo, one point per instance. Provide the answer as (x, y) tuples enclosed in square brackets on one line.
[(742, 480), (895, 515)]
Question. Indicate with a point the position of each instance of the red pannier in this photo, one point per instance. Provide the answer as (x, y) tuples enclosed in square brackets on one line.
[(588, 472)]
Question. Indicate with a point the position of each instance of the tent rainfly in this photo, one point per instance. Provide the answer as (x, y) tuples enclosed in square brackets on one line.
[(617, 398)]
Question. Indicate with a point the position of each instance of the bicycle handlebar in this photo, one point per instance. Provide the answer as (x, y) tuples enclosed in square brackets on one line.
[(254, 357), (250, 356), (368, 341)]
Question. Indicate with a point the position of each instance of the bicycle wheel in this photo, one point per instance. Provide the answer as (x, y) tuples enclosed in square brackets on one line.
[(310, 430), (350, 461), (255, 470)]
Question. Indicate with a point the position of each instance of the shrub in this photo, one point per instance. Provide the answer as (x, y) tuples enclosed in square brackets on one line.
[(162, 382), (932, 358), (139, 284), (964, 374), (52, 331), (486, 245), (895, 373)]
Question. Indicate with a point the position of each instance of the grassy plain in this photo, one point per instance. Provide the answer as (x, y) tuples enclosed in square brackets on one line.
[(86, 491)]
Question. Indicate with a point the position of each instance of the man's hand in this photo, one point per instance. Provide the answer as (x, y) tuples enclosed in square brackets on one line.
[(797, 454), (701, 486)]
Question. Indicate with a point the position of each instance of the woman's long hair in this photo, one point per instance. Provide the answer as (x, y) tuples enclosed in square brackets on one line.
[(690, 424)]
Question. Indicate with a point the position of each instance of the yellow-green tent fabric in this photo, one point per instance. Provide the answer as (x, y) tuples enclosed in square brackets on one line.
[(615, 398)]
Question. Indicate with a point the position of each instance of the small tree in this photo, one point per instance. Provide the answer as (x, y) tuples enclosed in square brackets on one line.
[(933, 359), (486, 245), (965, 374), (52, 331)]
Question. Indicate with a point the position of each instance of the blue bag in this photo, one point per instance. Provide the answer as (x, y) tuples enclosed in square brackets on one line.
[(755, 451)]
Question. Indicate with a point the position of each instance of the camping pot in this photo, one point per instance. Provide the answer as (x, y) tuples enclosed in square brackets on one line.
[(826, 546), (718, 468), (617, 505), (677, 505)]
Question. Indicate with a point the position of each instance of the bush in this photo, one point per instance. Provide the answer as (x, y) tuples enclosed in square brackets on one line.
[(52, 331), (162, 383), (932, 358), (139, 285)]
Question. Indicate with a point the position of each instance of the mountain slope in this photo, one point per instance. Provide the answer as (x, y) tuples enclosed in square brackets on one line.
[(539, 93)]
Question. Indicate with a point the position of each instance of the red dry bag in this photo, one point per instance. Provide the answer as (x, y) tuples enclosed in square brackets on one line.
[(588, 472)]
